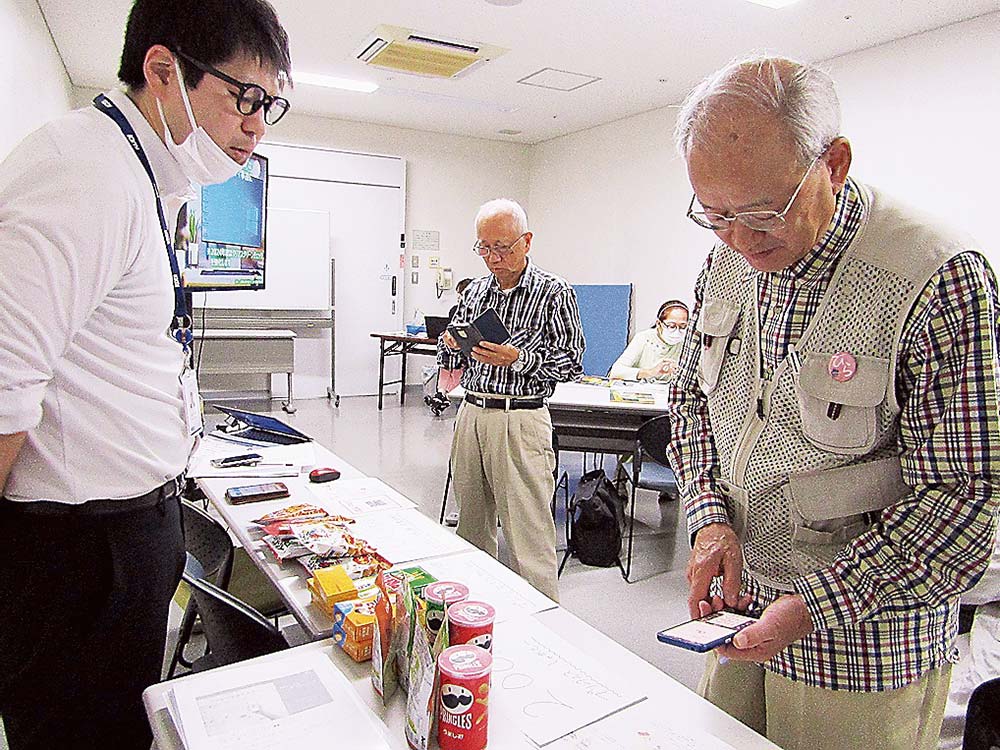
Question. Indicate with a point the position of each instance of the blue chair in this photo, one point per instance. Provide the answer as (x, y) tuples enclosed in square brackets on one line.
[(650, 470)]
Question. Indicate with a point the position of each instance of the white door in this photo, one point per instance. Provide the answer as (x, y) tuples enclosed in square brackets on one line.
[(366, 222)]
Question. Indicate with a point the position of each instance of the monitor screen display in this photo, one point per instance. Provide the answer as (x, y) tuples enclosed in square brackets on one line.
[(220, 238)]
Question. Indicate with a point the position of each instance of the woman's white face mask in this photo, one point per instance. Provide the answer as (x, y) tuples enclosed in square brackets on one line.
[(671, 336), (200, 158)]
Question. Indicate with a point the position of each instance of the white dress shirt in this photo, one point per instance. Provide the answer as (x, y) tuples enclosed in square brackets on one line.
[(87, 367)]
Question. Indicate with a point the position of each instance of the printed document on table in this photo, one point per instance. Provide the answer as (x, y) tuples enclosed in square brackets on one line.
[(296, 702), (276, 460), (549, 687), (404, 535), (490, 581), (355, 497)]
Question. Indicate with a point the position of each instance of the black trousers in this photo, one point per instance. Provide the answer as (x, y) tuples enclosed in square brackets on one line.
[(83, 621)]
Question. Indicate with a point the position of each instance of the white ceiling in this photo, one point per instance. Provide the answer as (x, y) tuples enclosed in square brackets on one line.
[(647, 53)]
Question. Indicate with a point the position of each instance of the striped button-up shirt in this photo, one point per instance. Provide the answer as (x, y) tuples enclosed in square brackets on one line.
[(924, 551), (544, 322)]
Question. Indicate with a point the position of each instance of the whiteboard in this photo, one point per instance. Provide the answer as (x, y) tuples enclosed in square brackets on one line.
[(297, 267)]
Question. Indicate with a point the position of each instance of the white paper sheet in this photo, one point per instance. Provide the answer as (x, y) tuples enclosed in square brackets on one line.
[(405, 535), (626, 730), (491, 582), (355, 497), (302, 456), (547, 686), (293, 703)]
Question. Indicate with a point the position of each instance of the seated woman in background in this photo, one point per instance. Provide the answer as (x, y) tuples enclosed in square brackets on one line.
[(653, 353)]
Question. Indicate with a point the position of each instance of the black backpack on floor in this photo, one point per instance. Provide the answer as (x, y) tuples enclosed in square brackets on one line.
[(597, 521)]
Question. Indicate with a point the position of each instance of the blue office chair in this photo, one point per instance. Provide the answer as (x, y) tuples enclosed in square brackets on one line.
[(650, 471)]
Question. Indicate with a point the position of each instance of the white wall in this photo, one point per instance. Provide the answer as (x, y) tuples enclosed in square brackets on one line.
[(447, 179), (33, 83), (608, 203)]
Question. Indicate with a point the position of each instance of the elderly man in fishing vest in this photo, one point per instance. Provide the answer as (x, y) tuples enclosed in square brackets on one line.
[(835, 421)]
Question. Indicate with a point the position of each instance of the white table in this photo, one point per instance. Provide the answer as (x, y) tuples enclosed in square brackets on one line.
[(290, 578), (667, 700)]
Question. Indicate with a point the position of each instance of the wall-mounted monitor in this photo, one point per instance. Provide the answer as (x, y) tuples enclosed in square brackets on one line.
[(220, 237)]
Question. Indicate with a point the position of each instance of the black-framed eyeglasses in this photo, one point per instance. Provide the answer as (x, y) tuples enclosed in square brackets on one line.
[(759, 221), (482, 250), (251, 97)]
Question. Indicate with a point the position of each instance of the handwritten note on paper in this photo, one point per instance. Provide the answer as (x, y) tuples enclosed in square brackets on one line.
[(355, 497), (405, 535), (627, 731), (547, 686), (489, 581)]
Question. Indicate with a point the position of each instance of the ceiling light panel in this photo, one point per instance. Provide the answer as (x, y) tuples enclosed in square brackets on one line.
[(558, 80)]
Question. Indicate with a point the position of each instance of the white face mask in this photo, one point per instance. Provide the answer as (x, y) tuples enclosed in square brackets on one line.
[(200, 158), (671, 336)]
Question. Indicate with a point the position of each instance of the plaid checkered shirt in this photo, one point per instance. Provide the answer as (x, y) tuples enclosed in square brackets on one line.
[(885, 611)]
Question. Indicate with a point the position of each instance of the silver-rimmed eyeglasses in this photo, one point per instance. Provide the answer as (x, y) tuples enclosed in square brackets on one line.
[(482, 249), (759, 221)]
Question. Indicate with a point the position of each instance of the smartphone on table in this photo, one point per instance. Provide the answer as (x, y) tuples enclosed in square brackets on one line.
[(256, 492), (706, 632)]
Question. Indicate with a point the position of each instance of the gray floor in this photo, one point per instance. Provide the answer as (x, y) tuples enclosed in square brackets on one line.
[(407, 447)]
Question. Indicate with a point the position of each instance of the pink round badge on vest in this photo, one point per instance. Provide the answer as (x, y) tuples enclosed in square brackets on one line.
[(842, 366)]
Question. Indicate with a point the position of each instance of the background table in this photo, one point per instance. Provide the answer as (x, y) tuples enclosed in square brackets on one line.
[(221, 351), (399, 344)]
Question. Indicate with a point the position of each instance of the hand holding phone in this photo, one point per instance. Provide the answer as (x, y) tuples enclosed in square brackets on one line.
[(256, 492), (706, 632)]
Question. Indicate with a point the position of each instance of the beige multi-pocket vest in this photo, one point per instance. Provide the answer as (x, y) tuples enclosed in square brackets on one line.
[(806, 459)]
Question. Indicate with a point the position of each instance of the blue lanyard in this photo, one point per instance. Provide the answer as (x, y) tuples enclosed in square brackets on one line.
[(181, 326)]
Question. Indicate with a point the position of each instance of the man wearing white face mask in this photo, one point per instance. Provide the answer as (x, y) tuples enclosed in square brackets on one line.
[(93, 427), (653, 353)]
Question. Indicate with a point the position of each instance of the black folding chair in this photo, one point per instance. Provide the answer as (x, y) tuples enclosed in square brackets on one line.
[(982, 718), (234, 630), (650, 471), (208, 542)]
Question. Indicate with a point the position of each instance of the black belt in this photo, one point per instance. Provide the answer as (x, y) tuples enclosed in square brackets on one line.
[(507, 404), (167, 490)]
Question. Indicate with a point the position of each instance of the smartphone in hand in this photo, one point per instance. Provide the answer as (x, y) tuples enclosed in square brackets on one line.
[(706, 632), (256, 492)]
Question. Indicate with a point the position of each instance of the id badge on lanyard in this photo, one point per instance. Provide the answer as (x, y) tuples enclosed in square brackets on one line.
[(181, 326)]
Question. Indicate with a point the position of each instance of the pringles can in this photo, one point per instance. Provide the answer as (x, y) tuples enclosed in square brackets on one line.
[(464, 697), (471, 622), (439, 596)]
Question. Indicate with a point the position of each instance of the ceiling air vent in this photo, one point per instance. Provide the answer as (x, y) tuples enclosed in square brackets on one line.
[(406, 51)]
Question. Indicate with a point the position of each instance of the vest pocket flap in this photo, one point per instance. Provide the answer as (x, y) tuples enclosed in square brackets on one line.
[(866, 388), (848, 490), (717, 317)]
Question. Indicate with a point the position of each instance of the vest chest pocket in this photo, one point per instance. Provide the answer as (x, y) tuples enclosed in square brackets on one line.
[(841, 417), (716, 322)]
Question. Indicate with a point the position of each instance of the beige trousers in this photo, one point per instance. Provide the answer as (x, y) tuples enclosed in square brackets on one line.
[(501, 465), (796, 716)]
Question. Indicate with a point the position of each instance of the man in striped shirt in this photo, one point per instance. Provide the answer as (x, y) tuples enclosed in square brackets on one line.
[(502, 460), (835, 421)]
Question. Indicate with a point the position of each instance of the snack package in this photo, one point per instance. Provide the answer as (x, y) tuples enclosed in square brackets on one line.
[(287, 528), (328, 538), (292, 513), (383, 659), (356, 618), (420, 699), (404, 640), (358, 567), (284, 548)]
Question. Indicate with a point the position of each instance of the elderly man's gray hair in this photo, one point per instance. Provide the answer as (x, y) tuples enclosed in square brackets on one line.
[(507, 207), (799, 94)]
